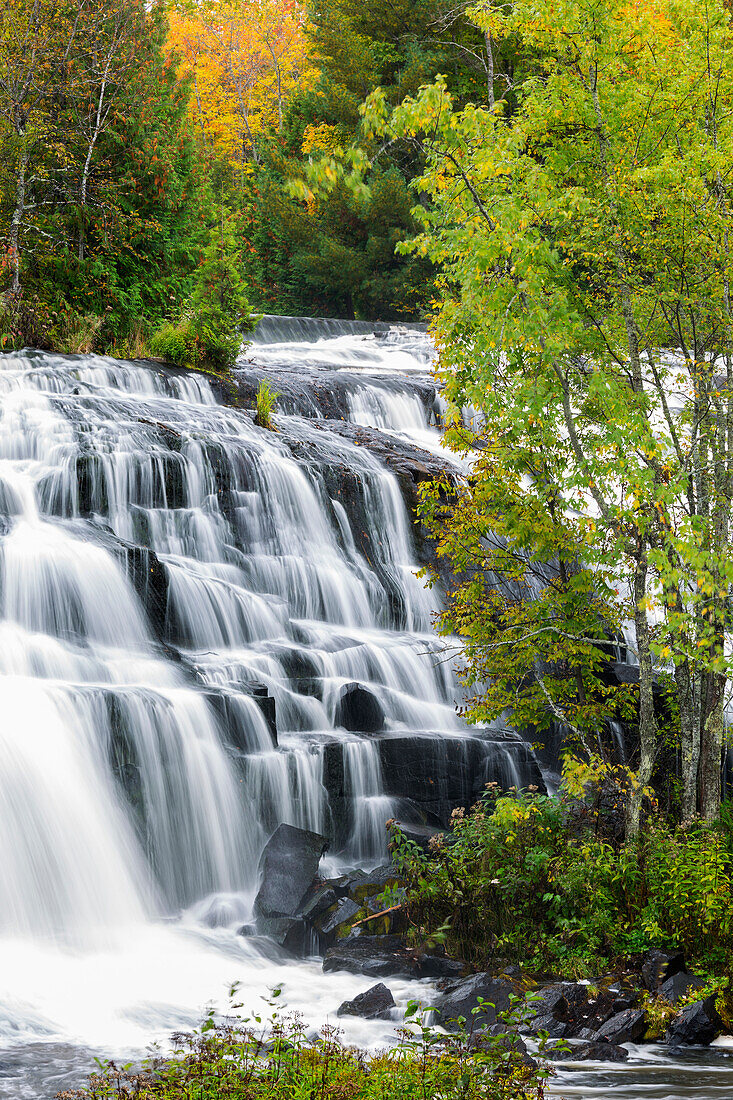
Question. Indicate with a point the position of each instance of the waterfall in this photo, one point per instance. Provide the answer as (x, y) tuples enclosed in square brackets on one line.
[(172, 578)]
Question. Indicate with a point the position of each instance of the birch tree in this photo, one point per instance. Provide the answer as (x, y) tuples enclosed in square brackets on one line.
[(104, 58), (585, 311), (36, 40)]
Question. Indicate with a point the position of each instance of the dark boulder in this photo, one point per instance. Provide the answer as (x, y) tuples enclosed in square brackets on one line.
[(288, 866), (375, 956), (319, 899), (678, 986), (440, 773), (341, 913), (626, 998), (497, 1035), (358, 710), (594, 1013), (660, 965), (290, 933), (625, 1027), (438, 966), (375, 1004), (461, 997), (696, 1025), (550, 1025), (589, 1052), (557, 1009)]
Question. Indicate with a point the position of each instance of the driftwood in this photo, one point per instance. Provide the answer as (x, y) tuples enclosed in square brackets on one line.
[(374, 916)]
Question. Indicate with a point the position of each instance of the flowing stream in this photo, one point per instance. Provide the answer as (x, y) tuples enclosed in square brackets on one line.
[(167, 570)]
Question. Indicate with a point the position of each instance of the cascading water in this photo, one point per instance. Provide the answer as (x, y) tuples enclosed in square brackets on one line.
[(167, 571)]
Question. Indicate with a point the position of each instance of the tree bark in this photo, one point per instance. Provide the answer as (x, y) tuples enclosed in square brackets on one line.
[(17, 219), (647, 717), (712, 735), (689, 737)]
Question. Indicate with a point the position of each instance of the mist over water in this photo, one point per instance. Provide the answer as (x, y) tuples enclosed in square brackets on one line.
[(159, 555)]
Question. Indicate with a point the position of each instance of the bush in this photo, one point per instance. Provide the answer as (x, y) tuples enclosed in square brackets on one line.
[(276, 1061), (76, 333), (25, 323), (546, 881), (210, 335), (264, 404), (175, 344)]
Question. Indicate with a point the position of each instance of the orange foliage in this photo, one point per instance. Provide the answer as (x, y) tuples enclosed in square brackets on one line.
[(245, 57)]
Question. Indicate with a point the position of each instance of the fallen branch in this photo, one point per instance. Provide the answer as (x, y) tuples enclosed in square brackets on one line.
[(374, 916)]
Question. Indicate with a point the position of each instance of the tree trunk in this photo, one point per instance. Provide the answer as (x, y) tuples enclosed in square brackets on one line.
[(647, 718), (690, 738), (490, 69), (17, 219), (712, 735)]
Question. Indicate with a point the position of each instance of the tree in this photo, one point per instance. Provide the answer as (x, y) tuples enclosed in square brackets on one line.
[(103, 198), (36, 41), (104, 58), (245, 57), (586, 313)]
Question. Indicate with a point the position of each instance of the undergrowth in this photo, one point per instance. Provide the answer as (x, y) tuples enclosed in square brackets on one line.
[(551, 883), (275, 1059)]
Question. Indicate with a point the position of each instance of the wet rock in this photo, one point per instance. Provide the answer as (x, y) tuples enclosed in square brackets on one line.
[(439, 774), (376, 956), (679, 986), (660, 965), (545, 1022), (236, 721), (288, 867), (358, 710), (627, 998), (290, 933), (420, 834), (625, 1027), (319, 899), (461, 997), (439, 966), (332, 921), (374, 1004), (589, 1052), (557, 1010), (497, 1034), (594, 1013), (696, 1025), (150, 580)]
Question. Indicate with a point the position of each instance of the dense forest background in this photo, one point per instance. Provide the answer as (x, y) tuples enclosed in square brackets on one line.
[(133, 135)]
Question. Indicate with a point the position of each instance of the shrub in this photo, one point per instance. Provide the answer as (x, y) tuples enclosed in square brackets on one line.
[(76, 333), (25, 323), (544, 881), (264, 405), (175, 344), (210, 335), (276, 1061)]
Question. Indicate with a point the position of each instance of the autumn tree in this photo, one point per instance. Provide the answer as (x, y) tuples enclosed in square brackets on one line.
[(245, 57), (585, 314)]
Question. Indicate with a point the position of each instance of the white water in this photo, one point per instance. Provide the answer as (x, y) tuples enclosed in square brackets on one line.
[(157, 552)]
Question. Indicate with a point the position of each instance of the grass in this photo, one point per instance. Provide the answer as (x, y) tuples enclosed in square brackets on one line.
[(264, 405)]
